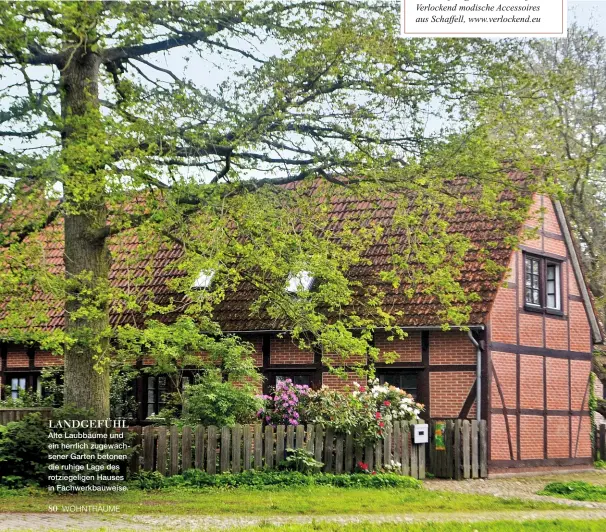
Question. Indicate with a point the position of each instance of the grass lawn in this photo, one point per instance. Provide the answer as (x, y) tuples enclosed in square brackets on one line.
[(578, 491), (310, 500), (495, 526)]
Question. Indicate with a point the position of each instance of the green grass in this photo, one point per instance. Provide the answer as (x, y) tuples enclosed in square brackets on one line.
[(577, 490), (495, 526), (309, 500)]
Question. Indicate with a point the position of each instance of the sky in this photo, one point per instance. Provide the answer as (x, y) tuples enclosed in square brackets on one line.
[(588, 13)]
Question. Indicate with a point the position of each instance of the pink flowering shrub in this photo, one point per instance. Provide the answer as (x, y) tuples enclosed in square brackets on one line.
[(365, 412), (286, 406)]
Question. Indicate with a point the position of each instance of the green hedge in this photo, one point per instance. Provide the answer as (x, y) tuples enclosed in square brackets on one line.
[(195, 478)]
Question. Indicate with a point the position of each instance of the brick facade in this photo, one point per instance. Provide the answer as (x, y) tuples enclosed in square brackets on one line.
[(539, 362)]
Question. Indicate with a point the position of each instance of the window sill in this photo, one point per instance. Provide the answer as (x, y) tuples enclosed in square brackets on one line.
[(547, 311)]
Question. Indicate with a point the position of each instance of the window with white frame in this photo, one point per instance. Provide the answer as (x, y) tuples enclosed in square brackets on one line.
[(542, 284)]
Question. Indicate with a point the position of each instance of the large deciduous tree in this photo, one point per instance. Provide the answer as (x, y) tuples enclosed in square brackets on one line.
[(180, 124)]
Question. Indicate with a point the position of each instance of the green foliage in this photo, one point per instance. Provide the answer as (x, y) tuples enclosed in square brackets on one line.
[(365, 412), (577, 490), (324, 92), (600, 464), (23, 452), (301, 460), (212, 401), (195, 478)]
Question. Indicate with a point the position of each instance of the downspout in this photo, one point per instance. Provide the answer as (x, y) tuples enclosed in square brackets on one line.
[(478, 375)]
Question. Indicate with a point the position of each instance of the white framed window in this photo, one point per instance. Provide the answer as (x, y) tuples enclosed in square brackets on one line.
[(299, 282), (542, 284), (204, 280)]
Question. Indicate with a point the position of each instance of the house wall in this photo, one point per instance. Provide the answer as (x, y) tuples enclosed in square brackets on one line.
[(539, 364)]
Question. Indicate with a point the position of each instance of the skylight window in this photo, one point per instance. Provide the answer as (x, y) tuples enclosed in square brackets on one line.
[(204, 280), (299, 282)]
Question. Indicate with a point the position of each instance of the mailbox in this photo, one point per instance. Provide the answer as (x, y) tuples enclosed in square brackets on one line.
[(421, 433)]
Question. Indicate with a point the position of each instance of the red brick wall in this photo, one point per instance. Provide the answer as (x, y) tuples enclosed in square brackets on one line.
[(531, 382), (531, 437), (451, 347), (336, 382), (448, 391), (17, 358), (285, 351), (43, 359), (408, 349), (570, 332)]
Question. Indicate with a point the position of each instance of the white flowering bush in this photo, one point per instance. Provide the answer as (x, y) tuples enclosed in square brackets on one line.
[(365, 412), (392, 403)]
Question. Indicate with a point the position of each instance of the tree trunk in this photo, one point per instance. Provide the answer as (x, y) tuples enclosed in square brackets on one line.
[(87, 258)]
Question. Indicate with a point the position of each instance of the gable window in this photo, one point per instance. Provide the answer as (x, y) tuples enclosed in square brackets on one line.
[(542, 284), (299, 282)]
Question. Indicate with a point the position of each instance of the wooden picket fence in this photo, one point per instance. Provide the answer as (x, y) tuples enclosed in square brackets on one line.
[(465, 453), (17, 414), (172, 451)]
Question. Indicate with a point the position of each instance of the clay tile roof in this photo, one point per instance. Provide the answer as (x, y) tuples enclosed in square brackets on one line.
[(131, 271)]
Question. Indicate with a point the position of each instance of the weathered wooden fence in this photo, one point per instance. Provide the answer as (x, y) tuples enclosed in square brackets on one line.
[(599, 442), (458, 449), (17, 414), (172, 451)]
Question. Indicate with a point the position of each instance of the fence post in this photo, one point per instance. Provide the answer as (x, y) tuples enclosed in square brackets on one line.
[(421, 450), (236, 448), (269, 446), (318, 447), (450, 455), (186, 449), (483, 450), (475, 462), (339, 454), (174, 450), (397, 443), (225, 441), (162, 450), (211, 450), (300, 437), (148, 448), (258, 447), (290, 437), (465, 441), (328, 447), (457, 450), (279, 444), (199, 453), (405, 448), (602, 442), (387, 446), (309, 441), (247, 437), (348, 453)]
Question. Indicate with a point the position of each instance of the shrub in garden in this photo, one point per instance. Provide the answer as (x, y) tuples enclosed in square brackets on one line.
[(23, 452), (365, 412), (286, 406), (212, 401), (253, 479), (301, 460)]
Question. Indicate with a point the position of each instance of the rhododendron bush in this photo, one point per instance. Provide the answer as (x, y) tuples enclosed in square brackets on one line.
[(364, 412)]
